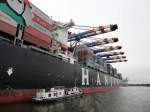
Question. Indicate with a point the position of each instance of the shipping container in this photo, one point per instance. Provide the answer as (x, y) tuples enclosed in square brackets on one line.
[(39, 28), (37, 38), (7, 24)]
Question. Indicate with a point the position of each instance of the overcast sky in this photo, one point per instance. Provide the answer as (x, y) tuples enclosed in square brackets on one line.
[(132, 17)]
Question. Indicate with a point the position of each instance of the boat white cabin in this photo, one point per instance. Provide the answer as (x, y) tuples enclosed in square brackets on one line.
[(56, 94), (74, 90), (49, 95)]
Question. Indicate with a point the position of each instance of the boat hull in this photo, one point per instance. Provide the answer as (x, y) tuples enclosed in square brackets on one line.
[(16, 96)]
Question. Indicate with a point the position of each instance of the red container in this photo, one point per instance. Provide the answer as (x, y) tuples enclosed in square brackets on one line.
[(7, 28), (37, 38)]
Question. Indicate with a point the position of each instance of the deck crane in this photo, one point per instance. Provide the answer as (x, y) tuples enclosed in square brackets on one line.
[(110, 48), (110, 54), (93, 32), (101, 42)]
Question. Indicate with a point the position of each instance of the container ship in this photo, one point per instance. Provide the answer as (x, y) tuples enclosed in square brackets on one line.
[(38, 52)]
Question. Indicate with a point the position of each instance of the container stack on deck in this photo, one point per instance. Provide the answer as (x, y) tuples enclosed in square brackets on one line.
[(85, 56)]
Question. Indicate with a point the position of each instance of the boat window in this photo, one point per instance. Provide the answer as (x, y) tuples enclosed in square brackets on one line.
[(49, 95), (55, 94)]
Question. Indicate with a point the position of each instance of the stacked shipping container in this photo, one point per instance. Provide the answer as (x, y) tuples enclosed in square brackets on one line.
[(85, 56)]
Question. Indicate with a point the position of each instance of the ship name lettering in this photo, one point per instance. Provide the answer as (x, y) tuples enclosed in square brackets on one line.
[(98, 79), (106, 81), (85, 76)]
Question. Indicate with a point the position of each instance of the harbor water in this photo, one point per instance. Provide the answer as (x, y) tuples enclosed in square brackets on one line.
[(125, 99)]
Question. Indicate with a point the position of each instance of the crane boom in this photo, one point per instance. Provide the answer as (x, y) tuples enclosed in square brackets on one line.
[(102, 42), (110, 48), (110, 54), (114, 57), (116, 61), (93, 32)]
